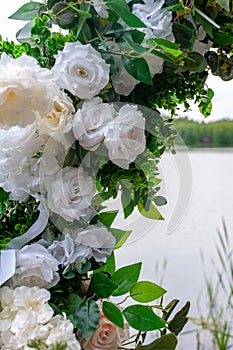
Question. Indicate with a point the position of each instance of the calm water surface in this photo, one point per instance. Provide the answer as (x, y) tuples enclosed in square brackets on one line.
[(198, 186)]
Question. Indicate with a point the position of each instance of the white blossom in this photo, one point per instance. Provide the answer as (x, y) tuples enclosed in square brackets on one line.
[(81, 70), (90, 121), (35, 266), (69, 193), (125, 136)]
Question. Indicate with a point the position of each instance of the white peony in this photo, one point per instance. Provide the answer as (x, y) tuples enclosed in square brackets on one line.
[(90, 121), (81, 70), (58, 121), (125, 136), (26, 91), (34, 299), (69, 193), (28, 316), (35, 266), (62, 330), (158, 22), (18, 166)]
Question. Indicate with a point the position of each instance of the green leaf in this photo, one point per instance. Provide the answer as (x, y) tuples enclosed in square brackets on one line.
[(195, 62), (102, 285), (225, 4), (165, 45), (74, 301), (87, 318), (138, 68), (179, 320), (120, 236), (175, 7), (65, 15), (184, 35), (145, 291), (109, 266), (28, 11), (127, 202), (151, 213), (108, 217), (125, 278), (222, 38), (81, 12), (81, 20), (122, 9), (113, 313), (169, 308), (205, 106), (142, 318), (166, 342)]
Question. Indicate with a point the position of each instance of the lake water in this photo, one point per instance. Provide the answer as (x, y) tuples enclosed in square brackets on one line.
[(198, 186)]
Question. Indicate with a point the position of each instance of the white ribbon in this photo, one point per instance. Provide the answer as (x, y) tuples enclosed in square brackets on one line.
[(8, 255), (32, 232), (7, 265)]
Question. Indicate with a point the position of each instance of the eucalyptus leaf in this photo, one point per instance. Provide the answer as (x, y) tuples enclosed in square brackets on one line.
[(146, 291), (87, 318), (102, 285), (165, 342), (195, 62), (65, 15), (113, 313), (28, 11), (125, 278), (142, 318), (74, 301)]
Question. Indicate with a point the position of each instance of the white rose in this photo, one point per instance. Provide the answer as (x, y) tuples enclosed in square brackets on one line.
[(81, 70), (18, 166), (35, 266), (69, 193), (58, 121), (99, 241), (90, 121), (125, 136), (158, 22), (26, 91)]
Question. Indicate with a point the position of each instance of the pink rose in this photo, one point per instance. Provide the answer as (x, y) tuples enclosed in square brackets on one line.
[(107, 336)]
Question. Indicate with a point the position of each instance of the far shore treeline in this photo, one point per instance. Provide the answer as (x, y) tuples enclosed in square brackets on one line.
[(212, 134)]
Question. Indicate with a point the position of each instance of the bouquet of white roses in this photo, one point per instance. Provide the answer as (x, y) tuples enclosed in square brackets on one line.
[(79, 125)]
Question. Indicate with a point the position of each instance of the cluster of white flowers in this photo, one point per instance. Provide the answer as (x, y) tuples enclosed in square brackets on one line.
[(34, 109), (26, 315)]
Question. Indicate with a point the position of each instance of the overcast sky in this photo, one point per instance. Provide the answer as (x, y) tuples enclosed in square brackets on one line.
[(222, 101)]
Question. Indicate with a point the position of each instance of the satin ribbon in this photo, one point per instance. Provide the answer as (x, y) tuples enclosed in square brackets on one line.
[(8, 256)]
